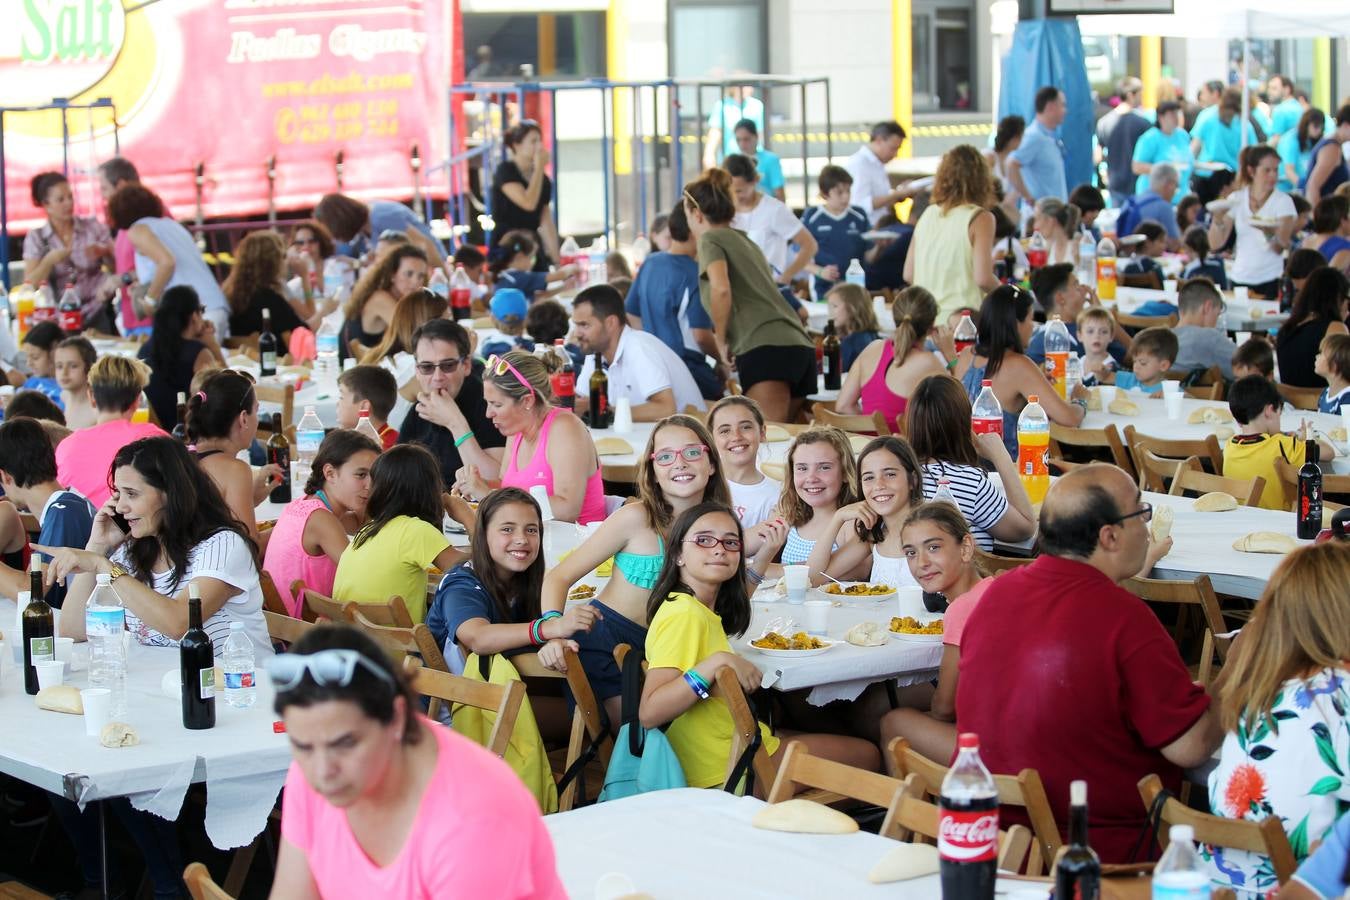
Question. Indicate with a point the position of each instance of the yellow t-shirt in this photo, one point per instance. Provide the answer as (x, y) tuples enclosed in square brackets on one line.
[(1249, 455), (394, 561), (682, 634)]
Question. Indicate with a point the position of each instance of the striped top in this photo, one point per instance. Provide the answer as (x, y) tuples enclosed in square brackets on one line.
[(797, 549), (981, 503)]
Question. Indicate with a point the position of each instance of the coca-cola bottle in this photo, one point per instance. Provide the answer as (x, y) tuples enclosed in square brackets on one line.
[(564, 380), (986, 415), (1038, 251), (966, 334), (461, 294), (72, 320), (968, 826)]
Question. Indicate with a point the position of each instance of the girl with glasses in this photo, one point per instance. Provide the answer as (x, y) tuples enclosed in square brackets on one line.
[(358, 817), (699, 599), (677, 472), (222, 419)]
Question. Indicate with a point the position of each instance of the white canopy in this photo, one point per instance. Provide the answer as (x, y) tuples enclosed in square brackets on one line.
[(1233, 19)]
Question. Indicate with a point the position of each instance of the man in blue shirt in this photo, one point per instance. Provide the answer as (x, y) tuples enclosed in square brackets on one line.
[(664, 302), (1215, 143), (1036, 169), (738, 104), (1155, 203), (1285, 110), (1166, 142), (838, 228), (28, 475), (766, 161)]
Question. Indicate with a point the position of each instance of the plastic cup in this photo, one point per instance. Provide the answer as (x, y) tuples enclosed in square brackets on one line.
[(1173, 402), (1345, 420), (798, 579), (623, 415), (1240, 294), (65, 651), (1107, 393), (50, 673), (909, 602), (97, 709), (1170, 287), (1171, 386), (817, 616)]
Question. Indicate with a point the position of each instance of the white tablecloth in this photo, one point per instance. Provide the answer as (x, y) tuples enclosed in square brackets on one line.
[(241, 760), (1249, 315)]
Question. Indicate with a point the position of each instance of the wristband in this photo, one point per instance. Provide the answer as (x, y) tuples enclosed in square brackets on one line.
[(551, 614), (536, 637), (459, 441), (951, 366), (754, 576), (696, 684)]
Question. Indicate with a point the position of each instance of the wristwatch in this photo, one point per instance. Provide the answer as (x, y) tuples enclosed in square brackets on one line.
[(116, 572)]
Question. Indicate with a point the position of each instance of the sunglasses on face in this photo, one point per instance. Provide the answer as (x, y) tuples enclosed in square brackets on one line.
[(691, 452), (446, 366), (707, 542), (327, 667), (300, 242)]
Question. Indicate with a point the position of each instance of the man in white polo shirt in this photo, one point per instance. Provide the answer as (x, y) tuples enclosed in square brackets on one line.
[(871, 185), (641, 368)]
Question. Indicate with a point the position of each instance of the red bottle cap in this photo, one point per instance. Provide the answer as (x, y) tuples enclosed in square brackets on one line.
[(968, 741)]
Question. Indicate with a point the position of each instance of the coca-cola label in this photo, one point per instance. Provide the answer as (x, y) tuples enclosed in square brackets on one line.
[(968, 835), (564, 384)]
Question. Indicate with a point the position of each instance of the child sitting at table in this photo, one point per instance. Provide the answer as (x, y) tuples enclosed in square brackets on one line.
[(1255, 403), (1190, 212), (1095, 328), (699, 599), (854, 318), (1254, 356), (1154, 350), (738, 428), (511, 264), (1333, 364), (1199, 259), (508, 308), (74, 357), (546, 322), (368, 389), (838, 228), (1147, 251), (39, 346), (821, 476)]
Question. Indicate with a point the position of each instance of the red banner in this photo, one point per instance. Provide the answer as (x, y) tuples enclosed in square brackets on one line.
[(228, 84)]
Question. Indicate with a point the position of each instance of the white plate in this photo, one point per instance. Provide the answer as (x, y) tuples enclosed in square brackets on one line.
[(1217, 206), (916, 638), (797, 654), (857, 598), (879, 235)]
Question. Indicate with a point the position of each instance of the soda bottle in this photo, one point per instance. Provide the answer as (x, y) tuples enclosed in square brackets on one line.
[(197, 668), (1310, 493), (1087, 259), (599, 413), (308, 437), (72, 320), (1038, 252), (44, 308), (1033, 446), (461, 294), (986, 416), (23, 302), (38, 627), (267, 347), (240, 684), (105, 627), (1078, 872), (642, 248), (832, 358), (279, 455), (569, 253), (855, 274), (438, 284), (944, 494), (1180, 875), (367, 427), (968, 826), (564, 379), (1106, 269), (1057, 346), (180, 417), (966, 334)]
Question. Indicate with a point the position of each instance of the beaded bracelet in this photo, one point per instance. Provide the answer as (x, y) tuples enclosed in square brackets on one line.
[(696, 684)]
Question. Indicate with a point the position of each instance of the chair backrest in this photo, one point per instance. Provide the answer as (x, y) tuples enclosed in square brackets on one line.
[(415, 639), (1213, 391), (1024, 789), (200, 884), (1266, 838), (1107, 438), (1331, 484), (271, 596), (1205, 449), (875, 423), (799, 768), (1189, 476), (1300, 397), (746, 727), (913, 814), (316, 606), (392, 613), (284, 628), (1197, 593), (996, 565), (502, 699), (280, 395), (1125, 320), (587, 723)]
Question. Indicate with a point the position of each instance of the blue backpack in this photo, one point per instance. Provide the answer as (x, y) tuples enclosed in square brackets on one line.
[(643, 759)]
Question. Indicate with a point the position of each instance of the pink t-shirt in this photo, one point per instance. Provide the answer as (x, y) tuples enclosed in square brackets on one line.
[(83, 458), (124, 260), (287, 559), (959, 610), (478, 833)]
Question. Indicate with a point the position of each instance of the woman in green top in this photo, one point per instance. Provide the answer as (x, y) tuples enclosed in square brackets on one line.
[(774, 357)]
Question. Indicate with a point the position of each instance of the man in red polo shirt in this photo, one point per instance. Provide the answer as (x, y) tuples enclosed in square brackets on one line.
[(1065, 672)]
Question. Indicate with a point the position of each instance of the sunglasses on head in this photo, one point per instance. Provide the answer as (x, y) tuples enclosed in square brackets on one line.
[(691, 452), (327, 668), (497, 365), (446, 366)]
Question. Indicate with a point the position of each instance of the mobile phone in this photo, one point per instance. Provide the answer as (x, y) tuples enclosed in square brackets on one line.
[(119, 520)]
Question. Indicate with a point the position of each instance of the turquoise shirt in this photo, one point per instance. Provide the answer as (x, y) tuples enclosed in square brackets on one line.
[(770, 171), (1155, 147), (1220, 143), (1284, 117), (1292, 155)]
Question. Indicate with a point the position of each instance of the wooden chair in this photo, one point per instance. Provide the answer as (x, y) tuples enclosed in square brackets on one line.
[(1107, 438), (1139, 323), (996, 565), (1190, 476), (316, 607), (800, 769), (271, 596), (913, 815), (1206, 449), (746, 728), (279, 395), (1300, 397), (1024, 789), (1331, 484), (1150, 280), (1204, 391), (502, 699), (200, 884), (873, 424), (1196, 594), (415, 640), (587, 724), (1266, 837), (394, 613), (284, 628)]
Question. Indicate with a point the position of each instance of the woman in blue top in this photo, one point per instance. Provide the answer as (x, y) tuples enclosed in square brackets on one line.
[(1296, 146), (1331, 231), (678, 470), (1327, 169), (512, 265)]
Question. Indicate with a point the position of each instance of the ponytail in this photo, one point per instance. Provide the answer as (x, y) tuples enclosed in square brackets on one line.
[(915, 310), (512, 244)]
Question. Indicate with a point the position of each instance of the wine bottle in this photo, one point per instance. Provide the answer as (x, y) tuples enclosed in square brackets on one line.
[(39, 632), (1078, 872), (1310, 493), (599, 414), (180, 418), (832, 357), (197, 667), (267, 347), (279, 455)]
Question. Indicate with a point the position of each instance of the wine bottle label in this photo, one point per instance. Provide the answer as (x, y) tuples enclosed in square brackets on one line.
[(40, 648), (269, 361), (207, 679)]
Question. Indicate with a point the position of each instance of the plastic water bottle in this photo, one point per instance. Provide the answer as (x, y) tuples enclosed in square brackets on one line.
[(1033, 445), (1106, 269), (1087, 259), (855, 274), (1057, 347), (1073, 374), (326, 354), (338, 275), (1180, 875), (439, 284), (642, 248), (366, 427), (944, 494), (986, 416), (237, 661), (308, 437), (105, 625)]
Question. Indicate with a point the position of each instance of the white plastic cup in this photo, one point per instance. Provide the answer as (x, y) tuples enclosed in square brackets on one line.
[(798, 579), (1170, 287), (623, 416), (1107, 392), (97, 709), (909, 602), (1171, 386), (1241, 294), (817, 616), (50, 673), (1173, 402), (65, 651)]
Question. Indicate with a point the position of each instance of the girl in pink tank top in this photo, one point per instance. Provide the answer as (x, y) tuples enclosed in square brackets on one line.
[(875, 396), (538, 471)]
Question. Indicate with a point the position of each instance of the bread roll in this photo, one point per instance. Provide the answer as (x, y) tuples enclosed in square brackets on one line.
[(773, 434), (1337, 434), (803, 817), (118, 734), (1265, 542), (1223, 433), (774, 470), (1122, 407), (613, 446), (1094, 400), (1215, 501), (904, 862), (1161, 525), (866, 634), (63, 699), (1209, 415)]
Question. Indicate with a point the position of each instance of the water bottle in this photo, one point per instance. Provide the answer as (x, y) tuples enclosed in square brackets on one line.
[(1180, 875), (1073, 374), (105, 626), (944, 494), (338, 275), (308, 437), (367, 427), (326, 354), (855, 274), (642, 248), (1057, 347), (1106, 269), (1087, 259), (986, 416), (439, 284), (237, 661), (1033, 445)]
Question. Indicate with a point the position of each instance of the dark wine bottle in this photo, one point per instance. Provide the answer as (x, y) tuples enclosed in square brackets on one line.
[(832, 356), (1078, 872), (599, 415), (39, 631), (197, 666), (267, 347), (279, 455), (180, 418), (1310, 493)]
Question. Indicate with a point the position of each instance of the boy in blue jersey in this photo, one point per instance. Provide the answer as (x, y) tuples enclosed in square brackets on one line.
[(28, 474), (837, 227)]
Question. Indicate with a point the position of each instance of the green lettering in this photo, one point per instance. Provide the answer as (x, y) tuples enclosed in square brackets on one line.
[(105, 46), (43, 33), (68, 33)]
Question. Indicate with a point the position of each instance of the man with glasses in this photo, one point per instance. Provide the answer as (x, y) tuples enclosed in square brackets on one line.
[(450, 417), (1065, 671), (1200, 341)]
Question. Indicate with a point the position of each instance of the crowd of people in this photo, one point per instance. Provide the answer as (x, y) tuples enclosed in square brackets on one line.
[(708, 340)]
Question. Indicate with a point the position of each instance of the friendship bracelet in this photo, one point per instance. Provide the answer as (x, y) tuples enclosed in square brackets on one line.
[(951, 366), (699, 679), (754, 576), (459, 441), (695, 684)]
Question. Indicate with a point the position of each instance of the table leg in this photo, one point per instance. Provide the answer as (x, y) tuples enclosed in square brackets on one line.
[(103, 844)]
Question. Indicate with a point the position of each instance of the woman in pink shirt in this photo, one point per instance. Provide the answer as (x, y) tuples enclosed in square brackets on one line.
[(381, 802), (82, 459), (312, 532)]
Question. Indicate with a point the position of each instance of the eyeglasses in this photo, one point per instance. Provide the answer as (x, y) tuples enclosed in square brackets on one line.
[(691, 452), (707, 542), (300, 242), (327, 667), (499, 366), (446, 366), (1145, 511)]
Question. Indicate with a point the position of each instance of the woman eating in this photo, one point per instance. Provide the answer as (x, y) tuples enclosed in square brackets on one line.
[(182, 343), (222, 420), (951, 253), (371, 306), (68, 250), (1263, 219), (887, 371), (381, 802), (256, 284), (522, 192)]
